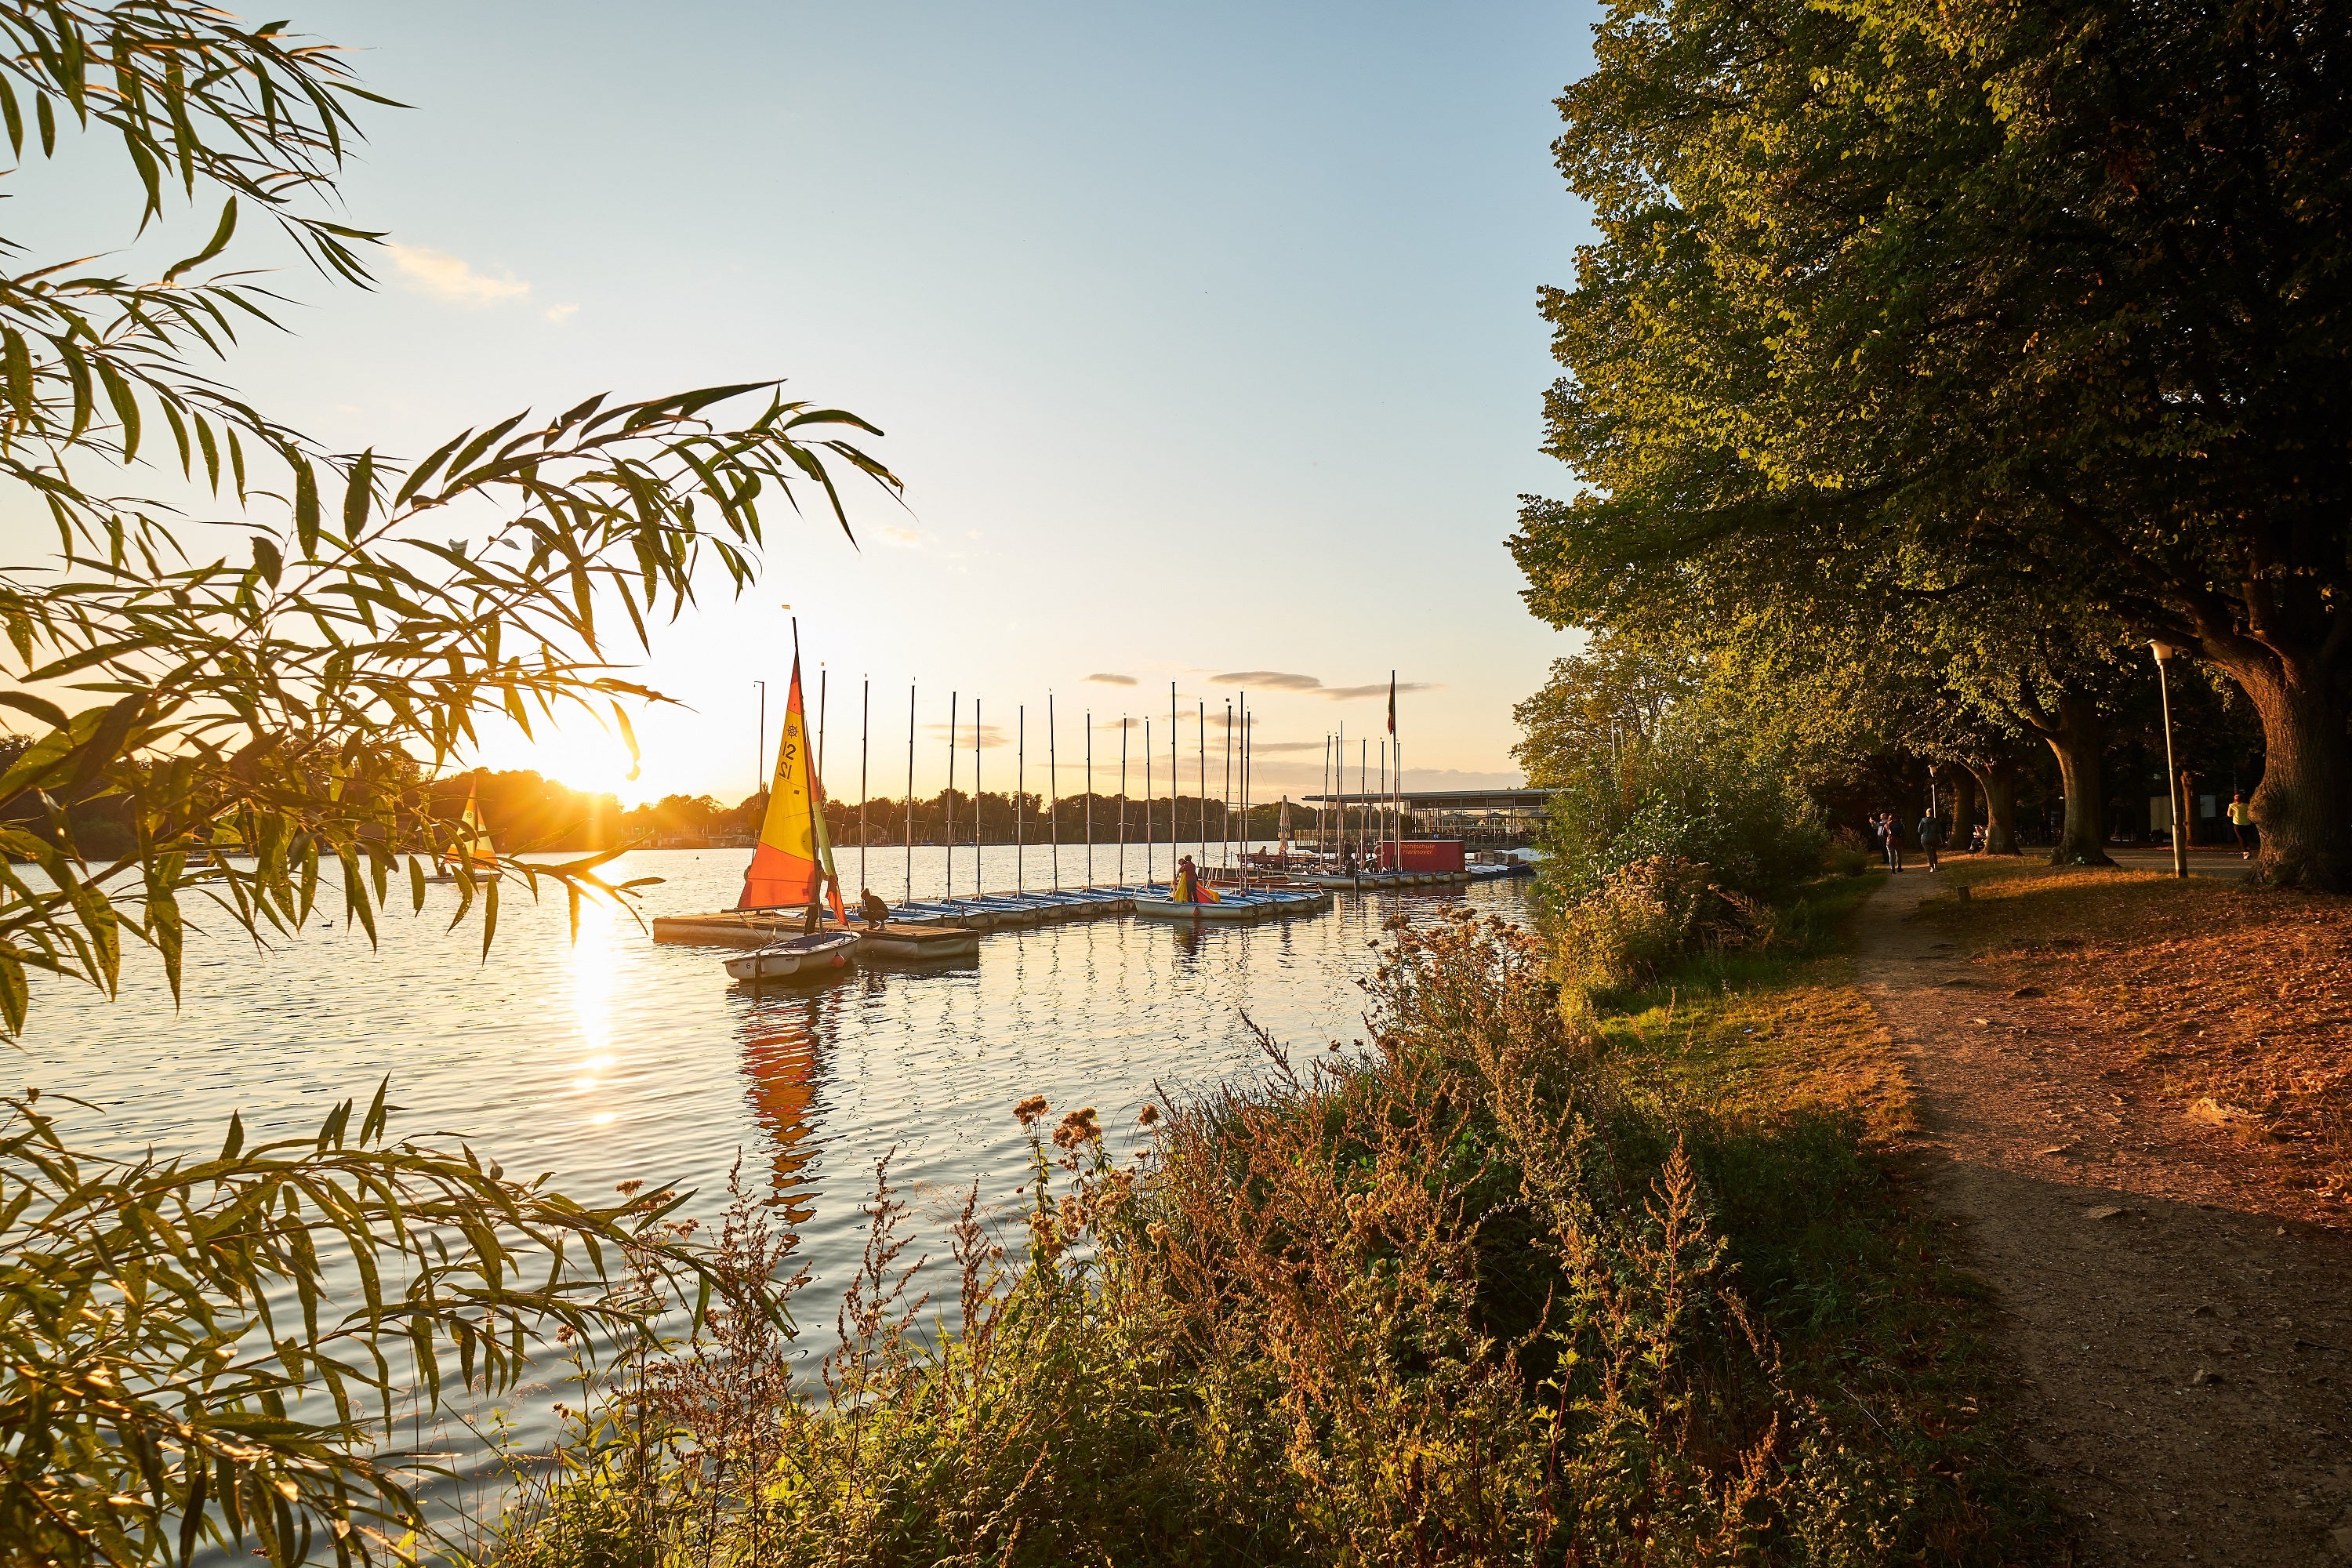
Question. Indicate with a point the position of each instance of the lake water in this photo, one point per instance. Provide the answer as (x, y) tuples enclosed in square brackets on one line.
[(614, 1058)]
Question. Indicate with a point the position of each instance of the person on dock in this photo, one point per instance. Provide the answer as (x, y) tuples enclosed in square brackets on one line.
[(1188, 888), (871, 905), (814, 921)]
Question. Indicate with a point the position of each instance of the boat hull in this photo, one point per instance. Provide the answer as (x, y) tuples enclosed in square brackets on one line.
[(1173, 909), (804, 960), (919, 941)]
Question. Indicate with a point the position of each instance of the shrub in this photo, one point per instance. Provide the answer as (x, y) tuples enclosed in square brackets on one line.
[(1638, 920), (1464, 1300), (1846, 854)]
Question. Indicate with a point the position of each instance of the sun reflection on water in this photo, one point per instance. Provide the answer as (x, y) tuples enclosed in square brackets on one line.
[(594, 975)]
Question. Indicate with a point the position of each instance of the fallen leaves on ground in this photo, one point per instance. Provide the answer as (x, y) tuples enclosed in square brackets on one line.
[(2239, 998)]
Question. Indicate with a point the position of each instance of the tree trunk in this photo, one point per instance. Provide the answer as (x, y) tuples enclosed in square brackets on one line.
[(1964, 809), (2300, 809), (2078, 739), (1998, 780)]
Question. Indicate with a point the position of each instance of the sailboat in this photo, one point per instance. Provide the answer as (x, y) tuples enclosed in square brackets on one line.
[(792, 867), (475, 850)]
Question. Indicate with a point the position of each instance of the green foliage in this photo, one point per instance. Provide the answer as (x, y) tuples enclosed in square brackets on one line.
[(215, 1353), (288, 690), (1499, 1291), (189, 1350), (1654, 759), (1872, 319)]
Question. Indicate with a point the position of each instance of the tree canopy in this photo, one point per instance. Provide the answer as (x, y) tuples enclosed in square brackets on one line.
[(2045, 305)]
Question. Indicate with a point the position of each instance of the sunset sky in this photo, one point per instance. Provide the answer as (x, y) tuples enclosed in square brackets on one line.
[(1205, 338)]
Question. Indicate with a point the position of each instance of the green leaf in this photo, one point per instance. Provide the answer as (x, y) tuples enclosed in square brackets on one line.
[(19, 364), (47, 712), (227, 227), (306, 506), (15, 992), (126, 405), (358, 494)]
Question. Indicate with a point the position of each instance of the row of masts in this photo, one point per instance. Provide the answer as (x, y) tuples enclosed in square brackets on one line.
[(1333, 837)]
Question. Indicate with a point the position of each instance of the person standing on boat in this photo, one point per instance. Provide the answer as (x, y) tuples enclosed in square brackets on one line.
[(1187, 890)]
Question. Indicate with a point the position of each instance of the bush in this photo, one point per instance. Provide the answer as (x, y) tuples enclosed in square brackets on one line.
[(1466, 1299), (1638, 920), (1847, 855)]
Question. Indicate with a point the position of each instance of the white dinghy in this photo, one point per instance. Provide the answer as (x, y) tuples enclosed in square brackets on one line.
[(819, 956)]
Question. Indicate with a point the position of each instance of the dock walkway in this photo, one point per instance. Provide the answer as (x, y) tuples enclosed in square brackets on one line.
[(950, 928)]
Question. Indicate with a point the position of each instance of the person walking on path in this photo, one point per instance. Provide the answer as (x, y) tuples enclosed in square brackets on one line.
[(1931, 838), (2241, 823), (1891, 837)]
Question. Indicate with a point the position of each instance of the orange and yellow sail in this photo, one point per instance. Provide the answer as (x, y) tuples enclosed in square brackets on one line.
[(792, 866), (475, 851), (1190, 889)]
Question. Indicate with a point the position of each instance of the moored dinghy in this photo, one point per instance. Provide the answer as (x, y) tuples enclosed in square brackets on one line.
[(791, 866), (819, 955), (1189, 898)]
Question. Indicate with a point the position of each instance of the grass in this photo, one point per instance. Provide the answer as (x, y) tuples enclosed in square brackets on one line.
[(2221, 991), (1794, 1097), (1529, 1282)]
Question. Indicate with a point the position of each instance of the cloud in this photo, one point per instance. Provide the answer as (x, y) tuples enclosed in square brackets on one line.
[(901, 538), (989, 735), (559, 314), (1377, 688), (1112, 679), (451, 278), (1285, 680), (1278, 680)]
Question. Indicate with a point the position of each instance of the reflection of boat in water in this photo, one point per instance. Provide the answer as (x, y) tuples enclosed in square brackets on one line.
[(816, 956), (778, 1036)]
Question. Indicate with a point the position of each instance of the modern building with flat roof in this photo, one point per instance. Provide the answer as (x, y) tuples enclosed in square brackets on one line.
[(1496, 817)]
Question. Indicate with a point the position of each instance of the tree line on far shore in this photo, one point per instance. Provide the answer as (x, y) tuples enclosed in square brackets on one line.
[(526, 812)]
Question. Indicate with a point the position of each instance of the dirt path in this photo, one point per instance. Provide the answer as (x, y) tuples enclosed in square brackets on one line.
[(2184, 1377)]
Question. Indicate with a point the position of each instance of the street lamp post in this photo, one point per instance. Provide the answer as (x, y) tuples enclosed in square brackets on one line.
[(2163, 652)]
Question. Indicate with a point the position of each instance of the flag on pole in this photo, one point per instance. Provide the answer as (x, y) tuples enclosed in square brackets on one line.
[(792, 866), (1392, 702)]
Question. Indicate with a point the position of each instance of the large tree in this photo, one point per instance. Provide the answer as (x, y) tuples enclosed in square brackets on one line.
[(2045, 302)]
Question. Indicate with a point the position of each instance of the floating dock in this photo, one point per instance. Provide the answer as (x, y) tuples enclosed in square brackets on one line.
[(930, 929)]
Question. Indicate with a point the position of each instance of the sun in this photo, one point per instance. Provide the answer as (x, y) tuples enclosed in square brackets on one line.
[(580, 755)]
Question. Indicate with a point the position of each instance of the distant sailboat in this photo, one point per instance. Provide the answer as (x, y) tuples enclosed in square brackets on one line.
[(791, 866), (475, 851)]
